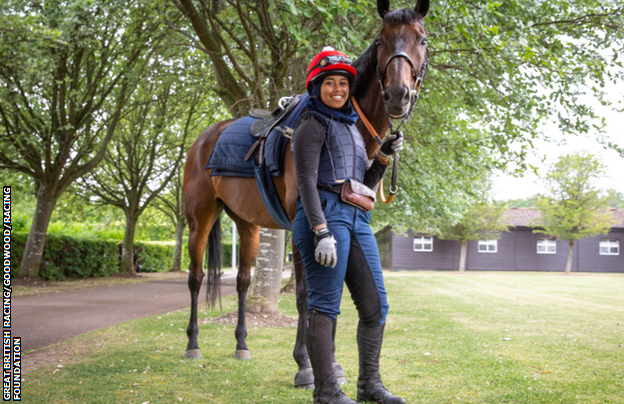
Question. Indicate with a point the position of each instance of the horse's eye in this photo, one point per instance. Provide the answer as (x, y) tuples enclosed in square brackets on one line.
[(423, 41)]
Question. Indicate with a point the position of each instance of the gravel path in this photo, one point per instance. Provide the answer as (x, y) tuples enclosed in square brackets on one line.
[(47, 318)]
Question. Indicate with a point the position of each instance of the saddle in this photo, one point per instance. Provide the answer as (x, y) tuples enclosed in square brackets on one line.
[(268, 121)]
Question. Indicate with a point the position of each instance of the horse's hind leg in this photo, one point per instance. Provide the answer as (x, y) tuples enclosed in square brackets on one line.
[(249, 242), (200, 221)]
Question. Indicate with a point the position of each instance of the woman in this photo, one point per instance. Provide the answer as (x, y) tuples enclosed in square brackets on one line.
[(335, 239)]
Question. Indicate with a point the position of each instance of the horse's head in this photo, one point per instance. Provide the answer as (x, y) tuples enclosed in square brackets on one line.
[(401, 56)]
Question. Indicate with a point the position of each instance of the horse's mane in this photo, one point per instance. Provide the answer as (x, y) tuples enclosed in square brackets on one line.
[(365, 66), (366, 63)]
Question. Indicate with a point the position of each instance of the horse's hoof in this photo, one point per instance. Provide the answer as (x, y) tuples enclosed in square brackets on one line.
[(340, 373), (304, 379), (192, 354), (242, 354)]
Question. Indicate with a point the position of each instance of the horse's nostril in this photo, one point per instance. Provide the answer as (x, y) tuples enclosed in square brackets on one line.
[(386, 96), (406, 94)]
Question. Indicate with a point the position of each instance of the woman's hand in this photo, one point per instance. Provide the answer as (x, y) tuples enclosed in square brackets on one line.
[(325, 251), (391, 144)]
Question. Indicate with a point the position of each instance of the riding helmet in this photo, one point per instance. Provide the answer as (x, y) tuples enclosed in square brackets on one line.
[(327, 63)]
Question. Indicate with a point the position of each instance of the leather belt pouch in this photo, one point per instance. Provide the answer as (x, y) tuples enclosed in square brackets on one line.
[(359, 195)]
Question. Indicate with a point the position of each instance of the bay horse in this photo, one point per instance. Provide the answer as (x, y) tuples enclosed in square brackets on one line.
[(386, 88)]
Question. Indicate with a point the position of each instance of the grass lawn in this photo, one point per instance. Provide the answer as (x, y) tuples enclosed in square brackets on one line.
[(478, 338)]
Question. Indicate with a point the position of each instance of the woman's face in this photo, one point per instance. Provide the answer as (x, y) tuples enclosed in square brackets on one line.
[(335, 91)]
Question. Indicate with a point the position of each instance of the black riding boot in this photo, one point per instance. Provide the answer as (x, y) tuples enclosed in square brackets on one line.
[(340, 373), (370, 387), (319, 344)]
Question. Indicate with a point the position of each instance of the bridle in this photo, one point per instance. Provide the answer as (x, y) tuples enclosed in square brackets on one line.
[(419, 79)]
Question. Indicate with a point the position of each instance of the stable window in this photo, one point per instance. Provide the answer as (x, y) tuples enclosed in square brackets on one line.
[(423, 243), (546, 246), (609, 246), (488, 246)]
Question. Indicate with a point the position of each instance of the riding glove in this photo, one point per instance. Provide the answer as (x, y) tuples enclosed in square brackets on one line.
[(391, 144), (325, 248)]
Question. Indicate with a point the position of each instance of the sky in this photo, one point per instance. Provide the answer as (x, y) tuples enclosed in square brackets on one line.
[(507, 187)]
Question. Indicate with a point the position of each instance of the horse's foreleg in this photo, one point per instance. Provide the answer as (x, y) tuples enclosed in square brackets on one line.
[(304, 379), (249, 242)]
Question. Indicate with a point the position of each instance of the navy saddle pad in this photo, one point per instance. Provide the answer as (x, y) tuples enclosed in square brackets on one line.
[(228, 156)]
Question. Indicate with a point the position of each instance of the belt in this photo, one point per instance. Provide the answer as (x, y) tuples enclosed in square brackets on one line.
[(337, 189)]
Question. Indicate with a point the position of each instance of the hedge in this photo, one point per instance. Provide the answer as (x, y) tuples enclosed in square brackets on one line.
[(70, 257), (157, 256)]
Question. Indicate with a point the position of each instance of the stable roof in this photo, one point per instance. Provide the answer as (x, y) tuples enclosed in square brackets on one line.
[(523, 217)]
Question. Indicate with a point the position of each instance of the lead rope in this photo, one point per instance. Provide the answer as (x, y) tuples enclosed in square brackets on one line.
[(374, 135)]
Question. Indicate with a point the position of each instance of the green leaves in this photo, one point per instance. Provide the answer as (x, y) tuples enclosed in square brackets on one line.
[(573, 209), (293, 8)]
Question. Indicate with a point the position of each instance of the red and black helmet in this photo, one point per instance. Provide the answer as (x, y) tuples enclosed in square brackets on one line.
[(327, 63)]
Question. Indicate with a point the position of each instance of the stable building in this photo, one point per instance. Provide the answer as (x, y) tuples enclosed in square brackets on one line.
[(519, 249)]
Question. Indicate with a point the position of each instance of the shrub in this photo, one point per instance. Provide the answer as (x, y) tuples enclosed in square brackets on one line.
[(69, 257), (72, 257), (153, 256)]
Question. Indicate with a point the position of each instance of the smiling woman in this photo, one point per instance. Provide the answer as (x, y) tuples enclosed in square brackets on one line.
[(335, 91), (332, 231)]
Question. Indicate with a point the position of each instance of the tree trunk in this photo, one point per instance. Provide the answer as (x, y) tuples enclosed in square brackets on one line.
[(33, 251), (265, 286), (568, 269), (462, 257), (127, 253), (177, 252)]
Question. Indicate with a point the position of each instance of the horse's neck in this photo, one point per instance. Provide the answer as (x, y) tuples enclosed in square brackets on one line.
[(374, 110)]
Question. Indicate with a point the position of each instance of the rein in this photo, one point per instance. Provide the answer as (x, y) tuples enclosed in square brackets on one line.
[(418, 81)]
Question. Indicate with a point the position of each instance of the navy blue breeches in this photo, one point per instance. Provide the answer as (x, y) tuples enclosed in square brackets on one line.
[(358, 263)]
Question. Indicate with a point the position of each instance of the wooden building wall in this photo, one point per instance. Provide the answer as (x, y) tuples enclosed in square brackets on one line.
[(516, 251), (589, 258)]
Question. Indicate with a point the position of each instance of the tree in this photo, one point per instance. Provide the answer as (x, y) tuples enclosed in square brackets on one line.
[(66, 74), (265, 286), (522, 202), (148, 148), (573, 208), (480, 222), (615, 199), (171, 203), (259, 50)]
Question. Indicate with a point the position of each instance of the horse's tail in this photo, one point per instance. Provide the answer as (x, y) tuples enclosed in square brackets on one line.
[(212, 263)]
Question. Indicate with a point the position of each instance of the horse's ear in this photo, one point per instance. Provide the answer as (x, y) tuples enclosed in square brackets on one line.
[(422, 7), (383, 6)]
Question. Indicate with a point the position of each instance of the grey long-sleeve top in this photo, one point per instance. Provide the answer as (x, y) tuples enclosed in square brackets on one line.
[(308, 141)]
